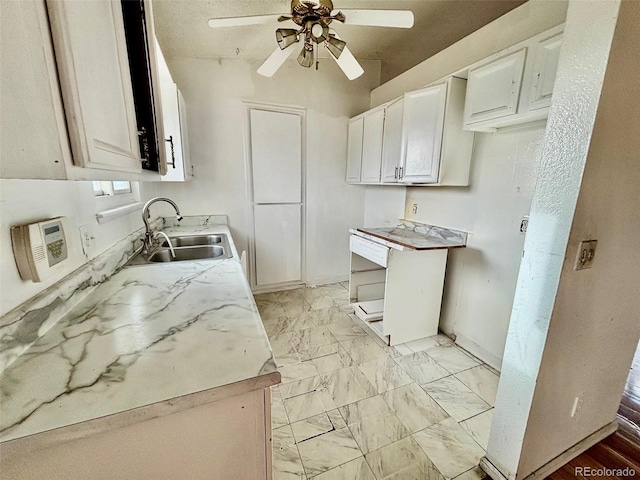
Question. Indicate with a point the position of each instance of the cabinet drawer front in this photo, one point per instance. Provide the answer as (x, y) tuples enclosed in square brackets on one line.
[(375, 252)]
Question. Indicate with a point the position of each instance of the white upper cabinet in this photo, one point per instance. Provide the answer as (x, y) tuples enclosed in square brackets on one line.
[(93, 64), (372, 145), (423, 124), (545, 61), (73, 112), (417, 139), (174, 117), (514, 86), (392, 141), (493, 89), (354, 149)]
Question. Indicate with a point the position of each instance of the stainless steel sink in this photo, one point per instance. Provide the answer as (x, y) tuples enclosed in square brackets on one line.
[(186, 247), (193, 240), (189, 253)]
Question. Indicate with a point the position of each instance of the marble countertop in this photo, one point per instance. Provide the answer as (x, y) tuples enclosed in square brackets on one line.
[(148, 334), (413, 236)]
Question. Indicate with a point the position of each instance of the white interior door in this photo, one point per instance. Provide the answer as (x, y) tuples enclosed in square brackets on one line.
[(276, 156), (278, 194)]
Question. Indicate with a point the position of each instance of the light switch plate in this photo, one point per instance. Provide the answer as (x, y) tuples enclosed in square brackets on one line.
[(586, 253)]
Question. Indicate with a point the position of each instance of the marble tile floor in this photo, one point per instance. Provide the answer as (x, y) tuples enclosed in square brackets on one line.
[(351, 408)]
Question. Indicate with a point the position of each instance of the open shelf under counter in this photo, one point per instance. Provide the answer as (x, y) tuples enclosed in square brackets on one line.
[(397, 275)]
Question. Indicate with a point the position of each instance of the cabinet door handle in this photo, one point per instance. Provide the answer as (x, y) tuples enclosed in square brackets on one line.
[(395, 175), (173, 153), (401, 173)]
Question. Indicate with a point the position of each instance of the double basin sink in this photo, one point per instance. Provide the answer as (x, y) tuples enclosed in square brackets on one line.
[(186, 247)]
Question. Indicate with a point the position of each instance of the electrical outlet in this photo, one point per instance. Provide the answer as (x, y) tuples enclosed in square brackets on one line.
[(87, 240), (586, 254), (414, 209)]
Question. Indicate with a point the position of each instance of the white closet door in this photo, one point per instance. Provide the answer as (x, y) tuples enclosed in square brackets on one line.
[(278, 234), (276, 155)]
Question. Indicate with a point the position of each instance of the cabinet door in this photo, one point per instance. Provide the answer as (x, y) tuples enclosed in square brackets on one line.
[(184, 134), (372, 146), (493, 89), (392, 141), (423, 124), (171, 116), (544, 74), (92, 59), (354, 150)]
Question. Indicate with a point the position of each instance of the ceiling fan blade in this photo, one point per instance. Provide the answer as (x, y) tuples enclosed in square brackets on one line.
[(243, 21), (275, 61), (348, 63), (379, 18)]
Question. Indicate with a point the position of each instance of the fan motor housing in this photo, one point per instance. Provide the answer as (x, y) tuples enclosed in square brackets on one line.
[(311, 8)]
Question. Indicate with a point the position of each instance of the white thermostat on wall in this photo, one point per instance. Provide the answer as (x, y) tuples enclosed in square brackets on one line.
[(39, 248)]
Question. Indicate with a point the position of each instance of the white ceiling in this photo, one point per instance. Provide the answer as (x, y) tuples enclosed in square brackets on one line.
[(182, 28)]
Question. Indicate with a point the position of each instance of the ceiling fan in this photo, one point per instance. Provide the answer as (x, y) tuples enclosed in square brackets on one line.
[(314, 18)]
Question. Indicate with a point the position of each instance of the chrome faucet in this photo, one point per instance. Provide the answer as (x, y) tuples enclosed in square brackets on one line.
[(147, 241)]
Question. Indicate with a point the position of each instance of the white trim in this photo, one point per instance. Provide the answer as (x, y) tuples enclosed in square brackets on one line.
[(327, 280), (251, 254), (558, 462), (477, 351), (107, 215)]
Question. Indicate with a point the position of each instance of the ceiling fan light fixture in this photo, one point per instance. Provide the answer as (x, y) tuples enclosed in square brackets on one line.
[(306, 56), (286, 37), (335, 46)]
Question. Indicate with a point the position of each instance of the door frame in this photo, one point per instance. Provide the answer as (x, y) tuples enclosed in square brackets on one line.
[(248, 170)]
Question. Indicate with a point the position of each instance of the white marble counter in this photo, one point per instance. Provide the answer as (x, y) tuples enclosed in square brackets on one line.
[(146, 336), (414, 236)]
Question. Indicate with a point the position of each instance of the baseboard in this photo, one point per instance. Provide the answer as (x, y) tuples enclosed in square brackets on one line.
[(327, 280), (476, 350), (558, 462)]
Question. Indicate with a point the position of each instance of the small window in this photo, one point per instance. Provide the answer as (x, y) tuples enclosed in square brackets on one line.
[(104, 189), (114, 199)]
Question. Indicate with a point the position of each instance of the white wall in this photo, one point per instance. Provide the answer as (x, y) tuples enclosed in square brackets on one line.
[(595, 324), (383, 206), (481, 278), (25, 201), (573, 333), (214, 91)]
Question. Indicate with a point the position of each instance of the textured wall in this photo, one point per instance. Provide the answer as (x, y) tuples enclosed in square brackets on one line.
[(214, 91), (583, 60)]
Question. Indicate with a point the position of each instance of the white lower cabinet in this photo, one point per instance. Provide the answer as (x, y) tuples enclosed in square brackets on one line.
[(400, 292), (227, 438)]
